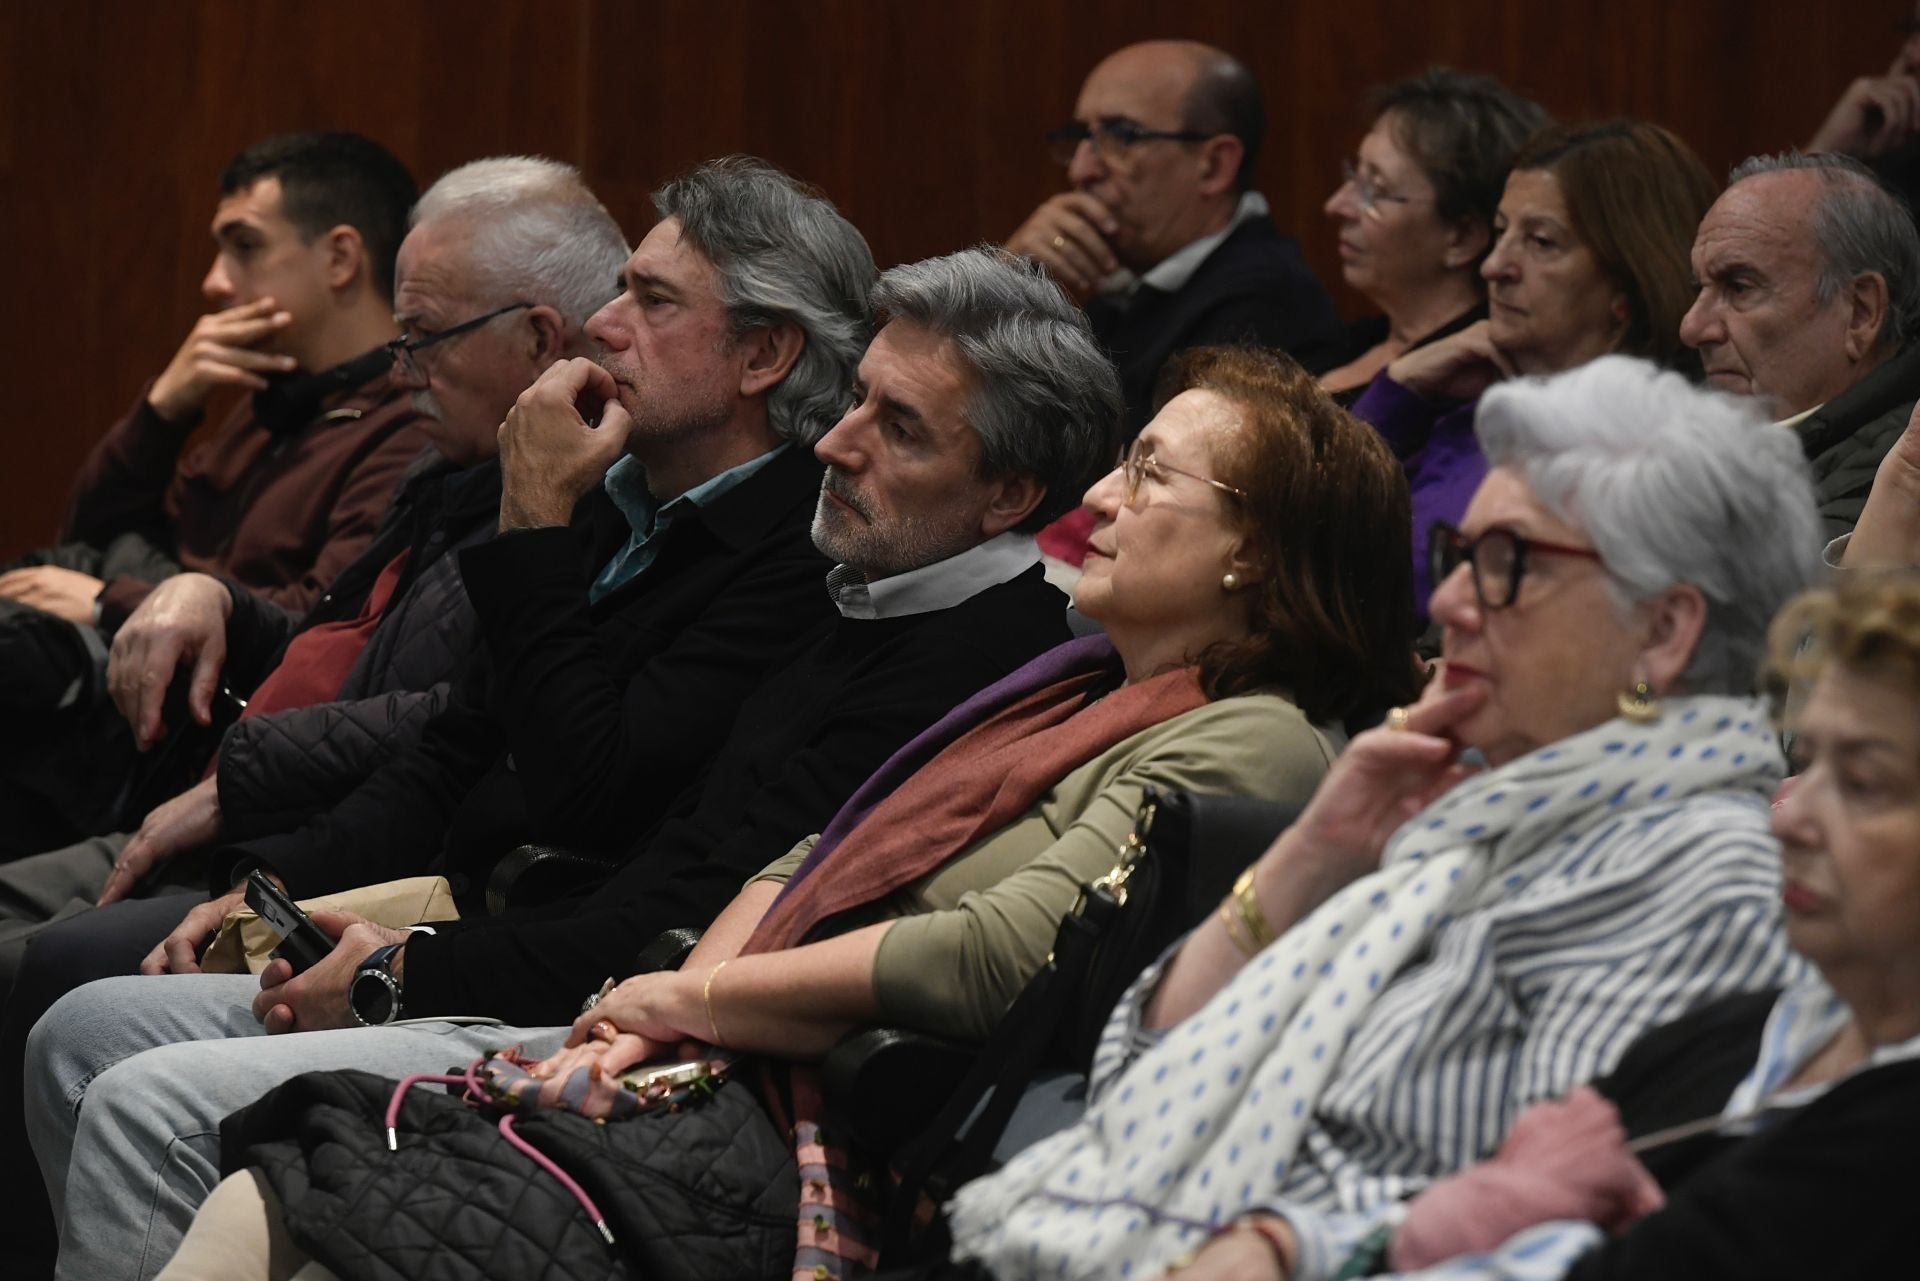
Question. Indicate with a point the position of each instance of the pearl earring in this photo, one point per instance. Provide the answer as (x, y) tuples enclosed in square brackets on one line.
[(1230, 581)]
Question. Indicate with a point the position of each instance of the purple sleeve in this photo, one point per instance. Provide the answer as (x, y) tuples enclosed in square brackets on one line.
[(1435, 444)]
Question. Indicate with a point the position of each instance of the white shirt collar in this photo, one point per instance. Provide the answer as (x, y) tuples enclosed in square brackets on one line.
[(1171, 274), (1795, 420), (941, 585)]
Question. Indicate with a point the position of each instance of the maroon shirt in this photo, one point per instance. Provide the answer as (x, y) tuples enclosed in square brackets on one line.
[(281, 515)]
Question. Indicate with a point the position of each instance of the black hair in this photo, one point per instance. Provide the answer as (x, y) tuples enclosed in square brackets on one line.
[(327, 179)]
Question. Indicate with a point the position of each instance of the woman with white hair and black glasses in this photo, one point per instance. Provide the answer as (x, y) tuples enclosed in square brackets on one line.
[(1563, 843)]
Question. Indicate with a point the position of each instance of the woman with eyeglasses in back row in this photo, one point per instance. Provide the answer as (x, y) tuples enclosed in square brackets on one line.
[(1588, 255), (1415, 212), (1563, 843)]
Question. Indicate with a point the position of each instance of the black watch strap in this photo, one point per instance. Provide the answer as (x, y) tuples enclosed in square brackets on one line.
[(374, 993)]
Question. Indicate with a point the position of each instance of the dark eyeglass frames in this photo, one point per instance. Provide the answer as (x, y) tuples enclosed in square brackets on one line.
[(1139, 461), (1498, 557), (404, 349), (1112, 139)]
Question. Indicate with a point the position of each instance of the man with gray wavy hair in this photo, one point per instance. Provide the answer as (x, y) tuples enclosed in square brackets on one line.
[(1809, 276)]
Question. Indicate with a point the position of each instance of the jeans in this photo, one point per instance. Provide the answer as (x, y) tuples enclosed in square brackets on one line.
[(128, 1079)]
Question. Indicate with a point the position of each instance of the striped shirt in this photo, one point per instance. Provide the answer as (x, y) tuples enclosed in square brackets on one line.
[(1615, 929)]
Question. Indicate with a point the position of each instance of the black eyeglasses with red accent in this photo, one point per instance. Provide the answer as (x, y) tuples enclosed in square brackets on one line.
[(1498, 557)]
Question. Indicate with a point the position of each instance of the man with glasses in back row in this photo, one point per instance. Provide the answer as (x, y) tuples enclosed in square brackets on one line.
[(1162, 237)]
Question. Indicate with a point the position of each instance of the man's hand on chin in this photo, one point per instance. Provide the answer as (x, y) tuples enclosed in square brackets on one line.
[(317, 999), (550, 455)]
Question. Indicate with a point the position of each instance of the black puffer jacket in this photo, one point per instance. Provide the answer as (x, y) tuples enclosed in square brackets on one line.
[(278, 769), (708, 1192)]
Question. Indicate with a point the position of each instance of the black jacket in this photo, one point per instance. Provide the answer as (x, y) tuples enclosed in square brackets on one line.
[(801, 746), (1846, 438), (1825, 1191), (577, 724), (1253, 288), (282, 768)]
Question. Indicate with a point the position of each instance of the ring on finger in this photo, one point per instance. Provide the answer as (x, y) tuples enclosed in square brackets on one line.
[(1059, 242), (1396, 718)]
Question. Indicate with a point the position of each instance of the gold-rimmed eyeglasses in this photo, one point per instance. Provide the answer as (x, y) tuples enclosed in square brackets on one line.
[(1139, 462)]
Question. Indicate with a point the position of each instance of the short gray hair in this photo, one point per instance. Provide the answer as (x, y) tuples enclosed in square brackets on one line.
[(1861, 226), (784, 254), (1673, 484), (539, 235), (1047, 401)]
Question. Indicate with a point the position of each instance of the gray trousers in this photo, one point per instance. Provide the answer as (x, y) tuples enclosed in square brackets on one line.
[(42, 888)]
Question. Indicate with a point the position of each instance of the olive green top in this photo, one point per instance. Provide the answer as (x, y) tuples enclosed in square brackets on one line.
[(969, 935)]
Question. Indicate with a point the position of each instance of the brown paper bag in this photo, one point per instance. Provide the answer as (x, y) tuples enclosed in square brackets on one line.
[(245, 942)]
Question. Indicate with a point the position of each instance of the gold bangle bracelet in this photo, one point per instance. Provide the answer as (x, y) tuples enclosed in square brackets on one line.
[(1231, 925), (1247, 904), (706, 999)]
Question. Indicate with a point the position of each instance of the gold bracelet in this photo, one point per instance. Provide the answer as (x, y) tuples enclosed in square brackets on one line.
[(706, 999), (1231, 925), (1247, 904)]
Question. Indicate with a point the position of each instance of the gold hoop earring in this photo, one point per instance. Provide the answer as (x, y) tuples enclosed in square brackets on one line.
[(1230, 581), (1639, 705)]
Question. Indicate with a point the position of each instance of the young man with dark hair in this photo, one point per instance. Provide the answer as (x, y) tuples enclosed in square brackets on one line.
[(281, 497)]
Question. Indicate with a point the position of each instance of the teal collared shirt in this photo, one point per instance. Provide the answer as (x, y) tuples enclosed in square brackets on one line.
[(648, 518)]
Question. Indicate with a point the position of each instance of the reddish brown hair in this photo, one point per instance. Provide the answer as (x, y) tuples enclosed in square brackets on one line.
[(1328, 517)]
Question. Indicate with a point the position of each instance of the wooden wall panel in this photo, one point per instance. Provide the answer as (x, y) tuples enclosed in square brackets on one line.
[(922, 120)]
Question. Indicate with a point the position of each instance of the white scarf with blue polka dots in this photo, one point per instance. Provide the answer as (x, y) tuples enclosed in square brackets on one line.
[(1201, 1127)]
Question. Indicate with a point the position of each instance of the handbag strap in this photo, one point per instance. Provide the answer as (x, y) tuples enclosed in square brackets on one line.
[(945, 1156)]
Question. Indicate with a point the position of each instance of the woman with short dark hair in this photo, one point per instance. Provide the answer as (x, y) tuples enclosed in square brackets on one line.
[(1415, 213)]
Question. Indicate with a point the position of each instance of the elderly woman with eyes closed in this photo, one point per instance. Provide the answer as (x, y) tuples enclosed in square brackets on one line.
[(1590, 256), (1415, 214), (1799, 1160), (1450, 940)]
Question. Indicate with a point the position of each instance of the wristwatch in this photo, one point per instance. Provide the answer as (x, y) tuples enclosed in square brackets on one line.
[(375, 993)]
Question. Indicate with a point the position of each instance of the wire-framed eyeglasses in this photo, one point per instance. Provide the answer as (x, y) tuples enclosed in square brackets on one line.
[(405, 349), (1138, 463), (1368, 190)]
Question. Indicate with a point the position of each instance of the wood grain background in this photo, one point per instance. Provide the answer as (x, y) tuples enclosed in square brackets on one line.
[(921, 119)]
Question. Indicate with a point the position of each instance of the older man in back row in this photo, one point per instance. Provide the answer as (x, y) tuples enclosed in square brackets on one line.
[(1809, 274), (979, 410), (1162, 235)]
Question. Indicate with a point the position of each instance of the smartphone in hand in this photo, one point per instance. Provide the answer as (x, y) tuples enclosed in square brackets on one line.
[(302, 943)]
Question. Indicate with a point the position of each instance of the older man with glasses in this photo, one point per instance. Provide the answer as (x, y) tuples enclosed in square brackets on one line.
[(1162, 237)]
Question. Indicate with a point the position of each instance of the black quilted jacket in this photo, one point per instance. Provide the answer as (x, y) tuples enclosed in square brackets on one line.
[(710, 1192), (278, 769)]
